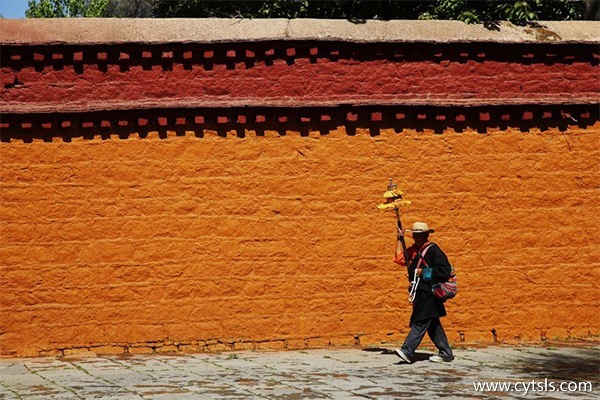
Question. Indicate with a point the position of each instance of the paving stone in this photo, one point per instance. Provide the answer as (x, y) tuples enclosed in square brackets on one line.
[(7, 395), (312, 374)]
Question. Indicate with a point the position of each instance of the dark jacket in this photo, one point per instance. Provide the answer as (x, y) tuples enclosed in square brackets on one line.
[(426, 305)]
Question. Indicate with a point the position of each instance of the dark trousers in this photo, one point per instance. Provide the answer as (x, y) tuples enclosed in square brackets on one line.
[(436, 333)]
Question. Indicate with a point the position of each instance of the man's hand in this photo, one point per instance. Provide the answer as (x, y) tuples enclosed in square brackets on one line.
[(419, 271), (400, 233)]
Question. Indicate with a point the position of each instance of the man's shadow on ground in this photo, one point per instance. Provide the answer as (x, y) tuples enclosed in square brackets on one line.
[(419, 356)]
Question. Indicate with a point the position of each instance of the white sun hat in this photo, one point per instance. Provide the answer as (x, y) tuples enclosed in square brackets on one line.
[(420, 227)]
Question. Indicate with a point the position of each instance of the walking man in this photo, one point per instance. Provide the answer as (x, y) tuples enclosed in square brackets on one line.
[(431, 266)]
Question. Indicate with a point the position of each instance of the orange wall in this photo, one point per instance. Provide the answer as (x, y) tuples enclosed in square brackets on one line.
[(213, 243)]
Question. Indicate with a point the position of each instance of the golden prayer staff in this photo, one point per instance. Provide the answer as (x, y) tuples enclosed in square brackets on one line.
[(393, 201), (393, 198)]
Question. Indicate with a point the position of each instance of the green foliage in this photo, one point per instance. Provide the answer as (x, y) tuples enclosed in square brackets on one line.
[(130, 8), (336, 9), (459, 10), (518, 12), (65, 8), (469, 11)]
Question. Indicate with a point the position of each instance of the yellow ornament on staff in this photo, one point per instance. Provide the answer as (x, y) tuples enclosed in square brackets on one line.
[(393, 201), (393, 198)]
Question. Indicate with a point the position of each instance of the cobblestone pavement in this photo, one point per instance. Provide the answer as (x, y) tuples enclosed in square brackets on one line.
[(310, 374)]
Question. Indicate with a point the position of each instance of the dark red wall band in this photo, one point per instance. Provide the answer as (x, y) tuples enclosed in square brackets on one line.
[(57, 78)]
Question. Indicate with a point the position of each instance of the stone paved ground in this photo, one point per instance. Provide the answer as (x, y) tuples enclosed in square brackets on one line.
[(311, 374)]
